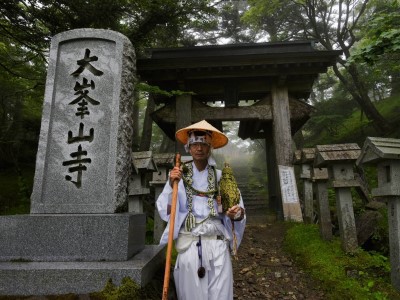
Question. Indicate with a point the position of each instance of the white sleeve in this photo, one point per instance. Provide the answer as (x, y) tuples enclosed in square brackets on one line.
[(164, 202)]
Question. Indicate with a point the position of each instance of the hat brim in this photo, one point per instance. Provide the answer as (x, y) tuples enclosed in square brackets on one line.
[(218, 139)]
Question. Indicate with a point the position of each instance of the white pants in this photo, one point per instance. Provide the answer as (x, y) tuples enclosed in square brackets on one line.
[(217, 284)]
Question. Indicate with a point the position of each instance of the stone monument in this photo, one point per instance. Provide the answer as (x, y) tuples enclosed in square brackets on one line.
[(79, 233)]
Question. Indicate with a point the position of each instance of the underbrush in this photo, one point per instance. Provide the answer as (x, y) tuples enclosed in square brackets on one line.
[(359, 275), (15, 190)]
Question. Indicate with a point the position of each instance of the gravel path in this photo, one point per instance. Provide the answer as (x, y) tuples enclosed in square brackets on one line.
[(263, 271)]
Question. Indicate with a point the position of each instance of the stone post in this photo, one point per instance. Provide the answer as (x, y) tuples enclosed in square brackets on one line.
[(320, 178), (340, 159), (304, 158), (385, 154)]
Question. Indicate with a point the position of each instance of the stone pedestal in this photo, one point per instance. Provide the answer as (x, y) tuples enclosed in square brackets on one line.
[(102, 237), (57, 278)]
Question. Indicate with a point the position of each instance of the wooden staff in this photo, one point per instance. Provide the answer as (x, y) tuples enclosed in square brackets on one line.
[(171, 230)]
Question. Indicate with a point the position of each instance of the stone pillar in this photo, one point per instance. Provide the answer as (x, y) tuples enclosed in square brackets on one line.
[(340, 160), (307, 193), (385, 154), (320, 178), (283, 146), (304, 158), (84, 154)]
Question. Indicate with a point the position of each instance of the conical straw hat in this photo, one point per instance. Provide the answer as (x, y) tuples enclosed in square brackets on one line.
[(218, 139)]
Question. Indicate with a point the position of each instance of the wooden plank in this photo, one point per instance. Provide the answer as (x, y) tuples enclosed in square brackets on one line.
[(201, 111), (261, 112), (289, 194)]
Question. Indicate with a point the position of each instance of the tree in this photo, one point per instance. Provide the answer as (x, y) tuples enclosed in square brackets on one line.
[(380, 43), (334, 25)]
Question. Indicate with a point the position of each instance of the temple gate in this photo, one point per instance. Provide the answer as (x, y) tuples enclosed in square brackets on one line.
[(278, 77)]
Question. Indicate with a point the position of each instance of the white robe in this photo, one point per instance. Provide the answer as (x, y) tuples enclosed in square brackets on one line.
[(218, 281)]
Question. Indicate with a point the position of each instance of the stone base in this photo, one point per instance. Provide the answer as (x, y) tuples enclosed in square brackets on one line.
[(71, 237), (57, 278)]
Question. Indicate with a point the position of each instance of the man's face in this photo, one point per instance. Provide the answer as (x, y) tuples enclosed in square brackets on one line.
[(199, 151)]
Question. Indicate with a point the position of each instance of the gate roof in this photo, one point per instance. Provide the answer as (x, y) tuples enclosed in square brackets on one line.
[(230, 73)]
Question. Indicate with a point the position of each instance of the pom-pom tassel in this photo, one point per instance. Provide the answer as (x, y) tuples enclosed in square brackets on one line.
[(190, 222)]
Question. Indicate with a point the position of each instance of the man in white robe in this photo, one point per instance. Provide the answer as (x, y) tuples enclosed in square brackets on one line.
[(203, 234)]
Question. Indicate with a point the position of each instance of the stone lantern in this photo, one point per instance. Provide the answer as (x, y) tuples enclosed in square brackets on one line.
[(385, 154)]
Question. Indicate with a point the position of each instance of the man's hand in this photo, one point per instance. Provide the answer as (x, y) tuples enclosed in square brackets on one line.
[(176, 173), (235, 213)]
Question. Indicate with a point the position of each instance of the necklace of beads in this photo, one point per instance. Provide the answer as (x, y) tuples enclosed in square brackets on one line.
[(190, 221)]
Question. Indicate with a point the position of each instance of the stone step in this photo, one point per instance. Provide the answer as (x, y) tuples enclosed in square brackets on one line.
[(254, 197)]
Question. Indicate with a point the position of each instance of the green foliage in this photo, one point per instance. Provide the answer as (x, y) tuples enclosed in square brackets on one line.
[(14, 191), (276, 18), (128, 290), (328, 126), (382, 35), (360, 275), (149, 231), (144, 87)]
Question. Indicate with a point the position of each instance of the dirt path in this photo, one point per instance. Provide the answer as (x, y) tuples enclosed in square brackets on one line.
[(263, 271)]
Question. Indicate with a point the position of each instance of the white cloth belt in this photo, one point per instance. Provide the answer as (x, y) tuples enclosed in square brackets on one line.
[(185, 240)]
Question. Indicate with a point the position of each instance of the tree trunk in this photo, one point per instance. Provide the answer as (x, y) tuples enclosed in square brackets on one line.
[(360, 94), (147, 125)]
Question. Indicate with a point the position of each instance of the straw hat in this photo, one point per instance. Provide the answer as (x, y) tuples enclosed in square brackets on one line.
[(218, 139)]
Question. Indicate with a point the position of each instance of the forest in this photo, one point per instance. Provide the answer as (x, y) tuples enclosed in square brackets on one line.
[(356, 98)]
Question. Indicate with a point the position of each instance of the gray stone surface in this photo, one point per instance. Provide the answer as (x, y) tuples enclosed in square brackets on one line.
[(56, 278), (91, 70), (102, 237)]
